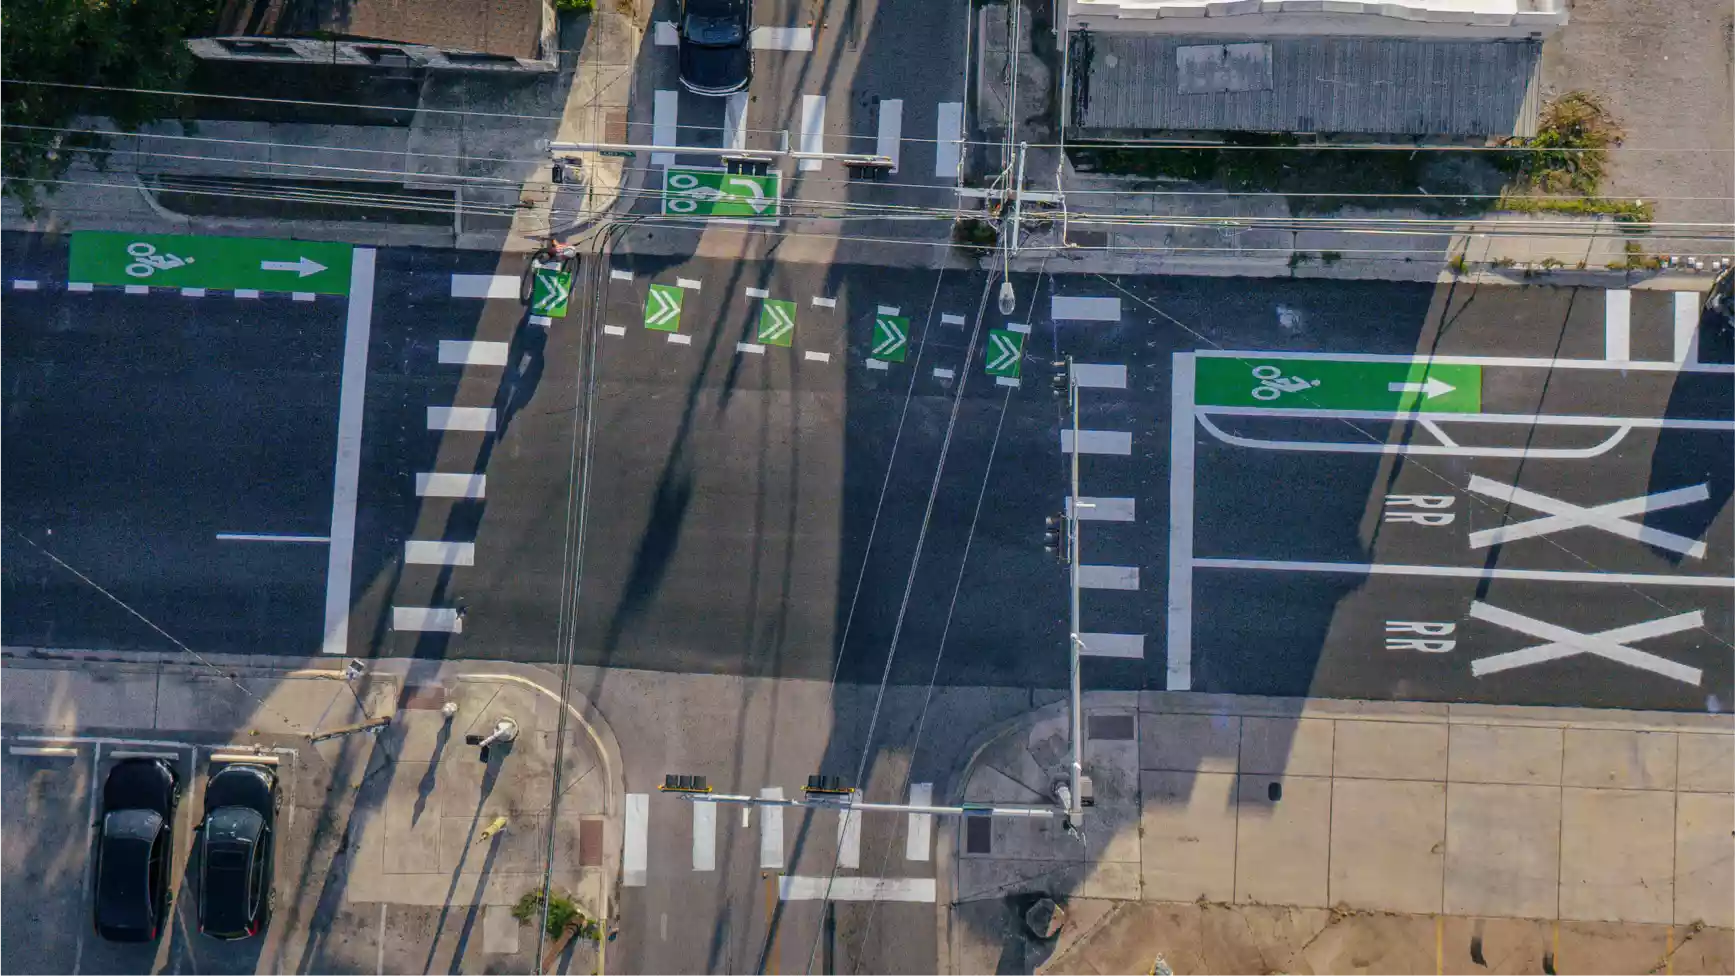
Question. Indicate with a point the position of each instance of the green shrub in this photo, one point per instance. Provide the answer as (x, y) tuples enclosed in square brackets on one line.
[(562, 913), (1570, 149)]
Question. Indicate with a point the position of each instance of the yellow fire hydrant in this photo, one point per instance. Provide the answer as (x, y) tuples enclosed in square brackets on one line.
[(496, 827)]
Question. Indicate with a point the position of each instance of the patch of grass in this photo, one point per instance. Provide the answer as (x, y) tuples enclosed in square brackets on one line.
[(1571, 147), (1624, 211), (1298, 258), (575, 6), (1457, 264)]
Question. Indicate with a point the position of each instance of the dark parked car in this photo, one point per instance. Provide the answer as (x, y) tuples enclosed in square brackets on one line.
[(134, 849), (236, 851), (715, 56)]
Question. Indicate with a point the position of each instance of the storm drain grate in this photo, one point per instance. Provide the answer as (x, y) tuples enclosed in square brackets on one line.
[(977, 831), (1110, 728)]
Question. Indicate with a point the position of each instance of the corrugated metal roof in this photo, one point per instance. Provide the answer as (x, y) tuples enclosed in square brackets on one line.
[(511, 28), (1396, 86)]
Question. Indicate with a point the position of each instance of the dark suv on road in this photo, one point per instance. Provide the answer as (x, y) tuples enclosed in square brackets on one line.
[(716, 58), (236, 851), (135, 845)]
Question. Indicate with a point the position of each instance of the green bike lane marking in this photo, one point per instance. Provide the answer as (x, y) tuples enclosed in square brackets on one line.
[(223, 263), (1328, 384), (777, 322), (550, 290), (891, 338), (711, 193), (663, 308), (1005, 351)]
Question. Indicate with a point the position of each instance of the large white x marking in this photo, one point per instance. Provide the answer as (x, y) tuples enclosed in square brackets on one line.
[(1608, 644), (1611, 517)]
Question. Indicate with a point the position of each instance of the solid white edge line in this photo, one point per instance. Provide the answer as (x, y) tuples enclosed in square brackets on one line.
[(1178, 645), (346, 466), (1463, 572), (920, 826), (1617, 324), (772, 830), (635, 846), (268, 537), (1526, 362), (704, 836)]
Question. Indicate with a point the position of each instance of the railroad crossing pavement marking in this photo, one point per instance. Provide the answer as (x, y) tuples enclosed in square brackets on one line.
[(198, 261), (663, 308), (1005, 351), (1325, 384), (1564, 642), (891, 338), (777, 322), (1612, 517)]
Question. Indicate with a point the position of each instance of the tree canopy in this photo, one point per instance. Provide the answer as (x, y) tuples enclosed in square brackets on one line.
[(101, 45)]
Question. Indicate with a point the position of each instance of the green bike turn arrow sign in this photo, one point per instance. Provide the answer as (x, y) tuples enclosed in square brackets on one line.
[(709, 193), (891, 338), (189, 261)]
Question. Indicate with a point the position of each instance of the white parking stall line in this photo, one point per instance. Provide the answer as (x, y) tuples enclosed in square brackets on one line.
[(680, 340), (664, 34), (772, 830), (879, 364), (138, 289), (484, 286), (704, 836), (620, 274), (1466, 572), (850, 839), (941, 373), (1097, 441), (23, 284), (1019, 327), (301, 296), (615, 330), (750, 347), (346, 466), (1617, 324), (818, 357), (1687, 324), (271, 537), (885, 310), (735, 121), (782, 39), (478, 419), (948, 133), (1126, 646), (758, 293), (192, 293), (1102, 509), (1085, 308), (920, 829), (1109, 577), (813, 130), (797, 887), (1609, 644), (890, 136), (441, 484), (664, 105), (1100, 376), (461, 352), (430, 552), (819, 302), (946, 319), (635, 840), (1006, 381), (1178, 649), (80, 286), (436, 620), (1612, 517)]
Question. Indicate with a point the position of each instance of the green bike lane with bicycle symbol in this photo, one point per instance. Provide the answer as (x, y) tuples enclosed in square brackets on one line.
[(192, 261), (717, 194), (1337, 384)]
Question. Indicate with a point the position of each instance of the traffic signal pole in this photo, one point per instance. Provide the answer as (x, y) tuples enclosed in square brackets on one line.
[(846, 803), (1076, 769)]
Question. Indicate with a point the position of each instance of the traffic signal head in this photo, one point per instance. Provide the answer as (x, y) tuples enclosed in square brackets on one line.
[(1055, 537)]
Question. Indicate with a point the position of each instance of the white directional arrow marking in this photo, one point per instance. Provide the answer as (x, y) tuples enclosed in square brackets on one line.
[(1429, 388), (759, 203), (667, 309), (303, 267), (1005, 353), (781, 322)]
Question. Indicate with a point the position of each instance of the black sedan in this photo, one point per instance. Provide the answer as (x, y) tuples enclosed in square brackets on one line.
[(235, 863), (715, 56), (134, 849)]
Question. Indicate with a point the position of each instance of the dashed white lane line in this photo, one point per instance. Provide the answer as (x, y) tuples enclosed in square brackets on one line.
[(1087, 309), (1019, 327), (461, 352), (479, 419), (23, 284), (192, 293), (1100, 376), (757, 293), (886, 310), (942, 374), (795, 887), (818, 357), (750, 347), (1097, 441), (951, 319), (665, 34), (425, 552), (439, 620), (1617, 309), (138, 289), (1112, 645), (878, 364), (484, 286), (246, 293), (1102, 509), (664, 105), (635, 840), (1109, 577), (813, 131), (772, 830), (888, 140), (440, 484), (687, 283), (825, 302), (1006, 381), (680, 340), (949, 131), (80, 286), (920, 825), (301, 296), (270, 537), (615, 330), (620, 275), (782, 39), (346, 467)]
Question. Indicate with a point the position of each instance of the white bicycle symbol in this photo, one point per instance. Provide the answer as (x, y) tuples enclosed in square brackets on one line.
[(148, 262), (691, 193), (1274, 384)]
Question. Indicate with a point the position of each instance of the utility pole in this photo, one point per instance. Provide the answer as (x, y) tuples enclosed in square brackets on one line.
[(1076, 768), (1018, 202)]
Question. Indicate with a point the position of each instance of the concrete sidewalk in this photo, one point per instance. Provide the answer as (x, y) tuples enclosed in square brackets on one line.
[(398, 816), (1391, 824)]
